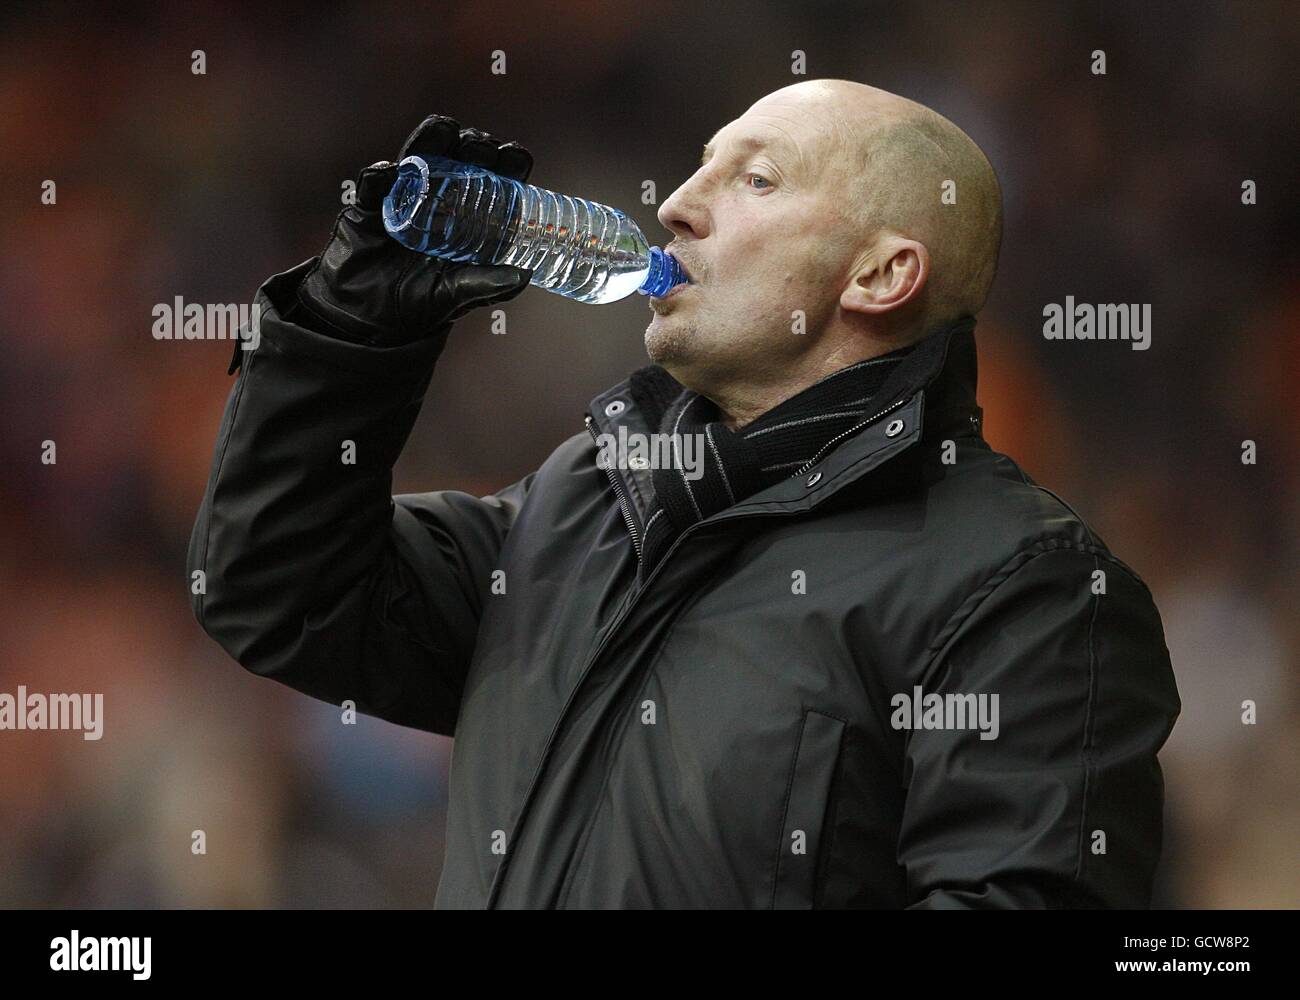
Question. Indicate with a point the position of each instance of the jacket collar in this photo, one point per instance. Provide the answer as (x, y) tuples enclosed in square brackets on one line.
[(929, 396)]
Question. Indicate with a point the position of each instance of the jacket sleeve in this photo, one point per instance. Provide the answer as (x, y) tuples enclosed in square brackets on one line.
[(1064, 807), (302, 565)]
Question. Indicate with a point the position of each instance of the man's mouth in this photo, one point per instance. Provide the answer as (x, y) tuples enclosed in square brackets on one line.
[(655, 300), (678, 288), (686, 271)]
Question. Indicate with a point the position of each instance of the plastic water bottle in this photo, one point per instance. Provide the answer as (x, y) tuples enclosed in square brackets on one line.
[(574, 247)]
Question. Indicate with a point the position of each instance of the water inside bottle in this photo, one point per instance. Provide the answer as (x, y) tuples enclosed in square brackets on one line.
[(578, 248)]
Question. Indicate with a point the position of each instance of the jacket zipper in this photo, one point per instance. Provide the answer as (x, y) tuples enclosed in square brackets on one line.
[(841, 436), (624, 502), (495, 889)]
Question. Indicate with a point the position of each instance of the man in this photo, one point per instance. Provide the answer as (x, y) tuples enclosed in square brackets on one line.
[(855, 658)]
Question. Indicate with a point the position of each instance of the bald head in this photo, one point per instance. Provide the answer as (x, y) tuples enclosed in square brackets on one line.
[(830, 223), (907, 170)]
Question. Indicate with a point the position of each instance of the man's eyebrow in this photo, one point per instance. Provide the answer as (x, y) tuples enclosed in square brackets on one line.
[(749, 143)]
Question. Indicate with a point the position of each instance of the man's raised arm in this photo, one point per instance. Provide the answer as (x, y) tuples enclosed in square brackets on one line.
[(303, 566)]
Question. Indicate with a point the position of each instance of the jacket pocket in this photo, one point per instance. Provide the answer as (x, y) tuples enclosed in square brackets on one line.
[(808, 796)]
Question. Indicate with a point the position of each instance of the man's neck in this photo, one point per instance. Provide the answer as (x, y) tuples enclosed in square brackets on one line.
[(742, 404)]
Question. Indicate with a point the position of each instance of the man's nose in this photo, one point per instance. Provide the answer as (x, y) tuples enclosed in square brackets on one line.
[(683, 213)]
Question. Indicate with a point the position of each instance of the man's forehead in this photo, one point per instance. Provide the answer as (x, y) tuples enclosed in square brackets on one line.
[(788, 124), (782, 134), (747, 138)]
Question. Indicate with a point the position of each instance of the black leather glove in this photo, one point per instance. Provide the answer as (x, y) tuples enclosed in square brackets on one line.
[(368, 288)]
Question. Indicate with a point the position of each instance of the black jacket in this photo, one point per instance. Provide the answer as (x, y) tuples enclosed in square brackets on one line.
[(733, 732)]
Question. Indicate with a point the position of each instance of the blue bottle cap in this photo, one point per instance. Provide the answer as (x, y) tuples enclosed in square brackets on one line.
[(665, 272)]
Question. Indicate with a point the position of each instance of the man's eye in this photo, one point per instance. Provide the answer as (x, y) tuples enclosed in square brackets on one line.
[(759, 177)]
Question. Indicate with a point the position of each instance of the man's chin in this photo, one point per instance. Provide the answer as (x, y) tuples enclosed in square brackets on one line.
[(668, 340)]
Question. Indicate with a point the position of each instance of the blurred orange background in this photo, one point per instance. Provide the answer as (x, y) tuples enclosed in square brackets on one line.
[(1119, 188)]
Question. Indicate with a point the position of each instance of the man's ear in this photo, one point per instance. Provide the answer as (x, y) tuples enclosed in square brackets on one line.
[(887, 277)]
